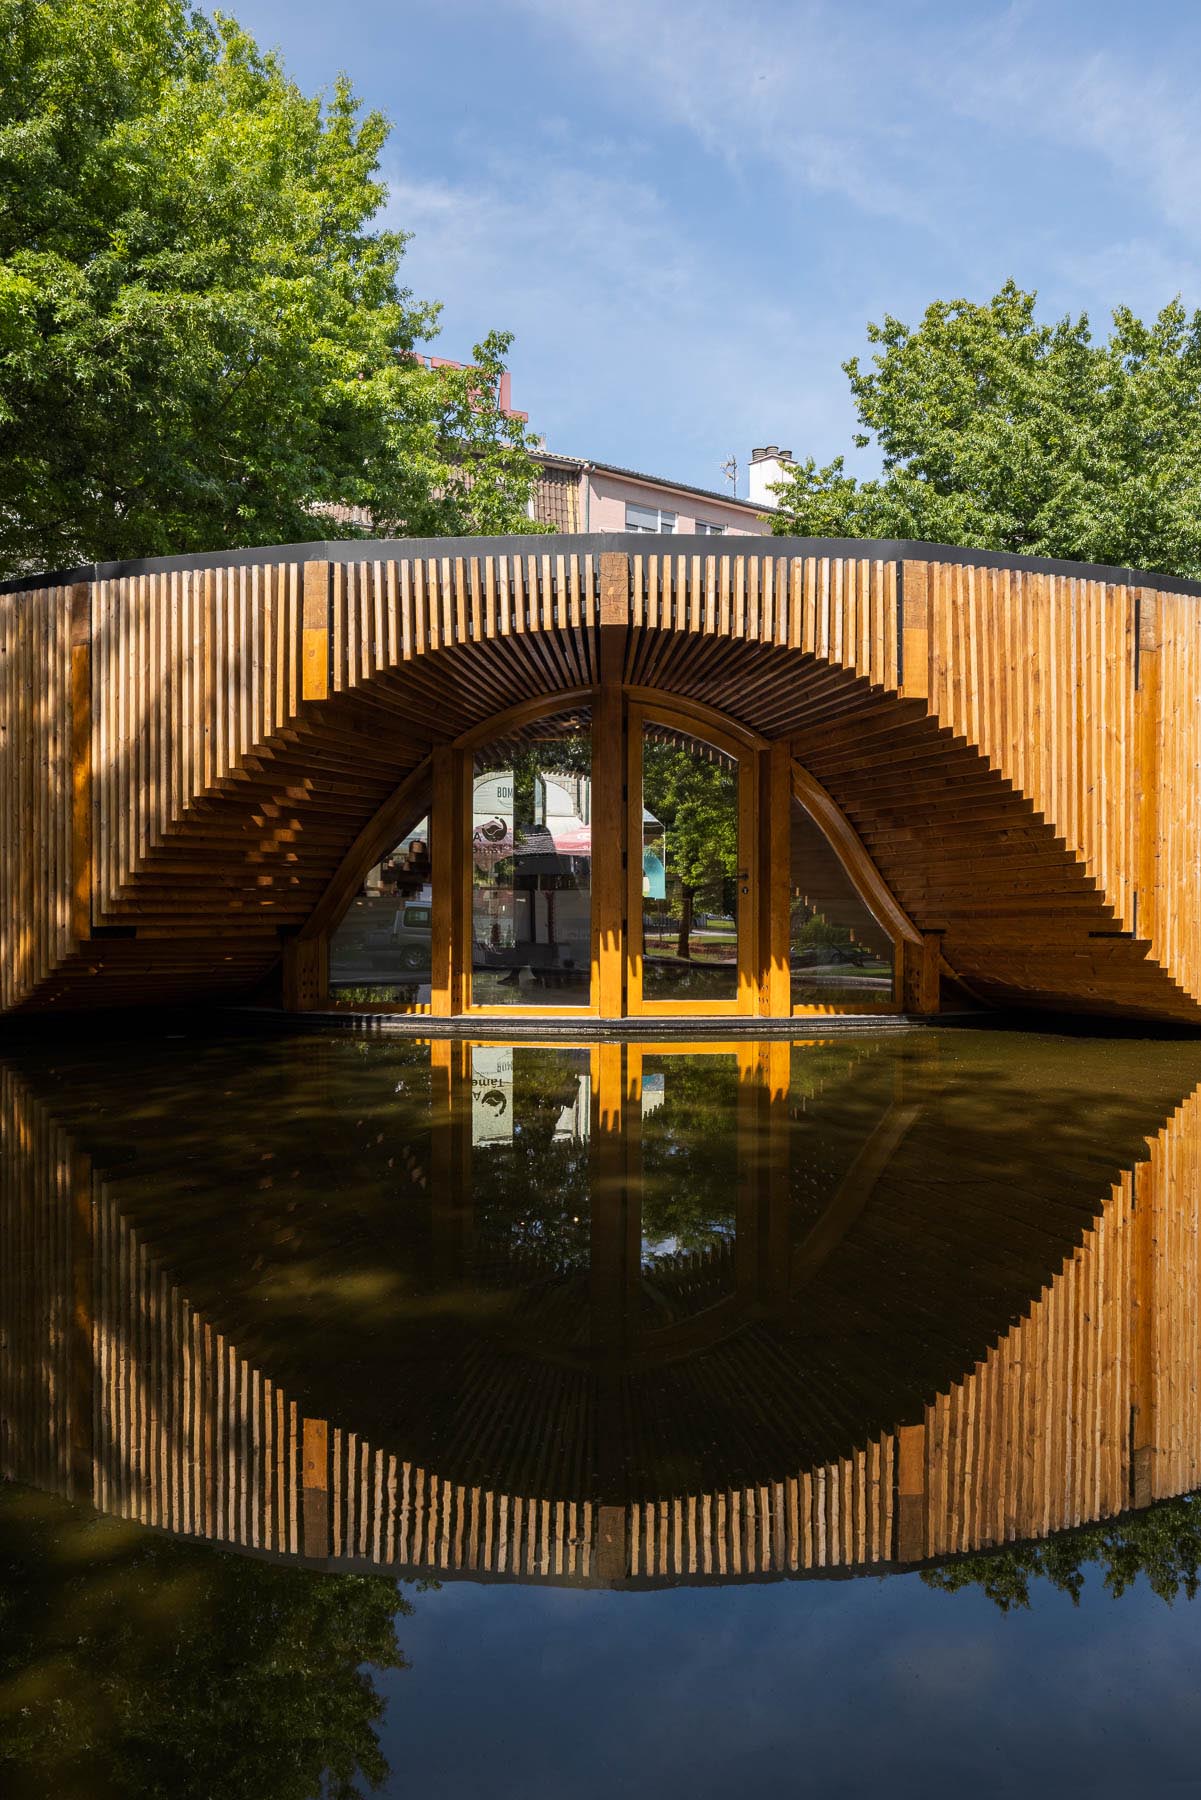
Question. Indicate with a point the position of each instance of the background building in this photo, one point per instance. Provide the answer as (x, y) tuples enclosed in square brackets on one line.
[(577, 494)]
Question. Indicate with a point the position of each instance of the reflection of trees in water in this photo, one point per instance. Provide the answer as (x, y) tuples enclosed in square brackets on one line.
[(1163, 1544), (532, 1192), (690, 1152), (132, 1664)]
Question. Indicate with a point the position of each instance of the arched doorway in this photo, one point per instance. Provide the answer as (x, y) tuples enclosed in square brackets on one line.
[(612, 853)]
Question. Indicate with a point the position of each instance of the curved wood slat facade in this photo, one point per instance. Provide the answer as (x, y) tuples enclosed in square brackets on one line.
[(114, 1389), (191, 751)]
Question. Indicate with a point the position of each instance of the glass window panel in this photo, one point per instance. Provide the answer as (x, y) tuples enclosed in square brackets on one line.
[(531, 866), (689, 868), (380, 953), (839, 954)]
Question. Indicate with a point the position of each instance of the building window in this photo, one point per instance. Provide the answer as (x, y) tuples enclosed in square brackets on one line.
[(650, 518), (704, 530)]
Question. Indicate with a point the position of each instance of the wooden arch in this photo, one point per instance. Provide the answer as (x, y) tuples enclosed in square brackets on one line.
[(194, 747)]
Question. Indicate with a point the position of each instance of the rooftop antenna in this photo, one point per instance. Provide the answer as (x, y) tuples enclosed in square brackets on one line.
[(730, 470)]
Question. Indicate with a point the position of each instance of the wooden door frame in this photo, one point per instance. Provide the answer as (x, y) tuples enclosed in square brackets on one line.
[(769, 780), (743, 746), (545, 706)]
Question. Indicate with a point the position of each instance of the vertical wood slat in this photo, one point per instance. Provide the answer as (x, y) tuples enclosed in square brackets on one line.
[(192, 669), (1057, 717), (37, 805)]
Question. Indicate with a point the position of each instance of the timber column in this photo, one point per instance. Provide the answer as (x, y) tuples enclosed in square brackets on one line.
[(314, 1488), (910, 1513), (775, 880), (450, 859), (609, 799)]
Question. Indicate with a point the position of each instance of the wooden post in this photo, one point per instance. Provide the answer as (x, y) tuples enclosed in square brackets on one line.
[(314, 658), (615, 1221), (911, 1493), (919, 986), (612, 1556), (775, 1150), (775, 880), (451, 1212), (450, 944), (610, 811), (306, 974), (915, 630), (81, 762), (315, 1487), (615, 1267)]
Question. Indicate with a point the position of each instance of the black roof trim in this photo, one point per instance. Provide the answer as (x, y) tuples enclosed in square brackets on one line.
[(346, 550)]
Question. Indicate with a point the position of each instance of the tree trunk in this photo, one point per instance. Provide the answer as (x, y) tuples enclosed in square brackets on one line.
[(684, 945)]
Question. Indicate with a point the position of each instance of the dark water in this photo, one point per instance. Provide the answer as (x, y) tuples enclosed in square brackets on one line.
[(530, 1420)]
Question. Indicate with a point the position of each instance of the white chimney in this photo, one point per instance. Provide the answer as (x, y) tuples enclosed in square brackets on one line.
[(768, 465)]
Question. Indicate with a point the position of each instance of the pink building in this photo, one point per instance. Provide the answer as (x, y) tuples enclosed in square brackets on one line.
[(576, 494)]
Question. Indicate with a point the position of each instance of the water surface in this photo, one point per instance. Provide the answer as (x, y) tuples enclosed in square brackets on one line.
[(542, 1419)]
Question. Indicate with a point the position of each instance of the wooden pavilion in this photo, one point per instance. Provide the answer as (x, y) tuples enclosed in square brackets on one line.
[(981, 771)]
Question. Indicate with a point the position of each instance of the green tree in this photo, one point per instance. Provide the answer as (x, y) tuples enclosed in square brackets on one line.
[(697, 803), (1162, 1543), (132, 1664), (203, 342), (1002, 432)]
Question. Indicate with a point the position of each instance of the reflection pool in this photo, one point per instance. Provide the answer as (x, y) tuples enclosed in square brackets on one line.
[(427, 1415)]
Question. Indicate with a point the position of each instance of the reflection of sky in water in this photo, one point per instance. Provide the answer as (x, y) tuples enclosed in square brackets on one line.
[(825, 1688), (430, 1300)]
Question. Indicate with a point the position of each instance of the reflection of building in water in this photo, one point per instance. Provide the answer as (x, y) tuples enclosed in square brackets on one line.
[(1083, 1401)]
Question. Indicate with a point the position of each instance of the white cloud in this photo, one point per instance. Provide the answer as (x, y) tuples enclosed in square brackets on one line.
[(797, 85), (850, 159), (863, 100), (1138, 120), (612, 298)]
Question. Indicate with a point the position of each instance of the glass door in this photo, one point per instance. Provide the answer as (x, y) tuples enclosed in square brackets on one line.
[(691, 863), (530, 867)]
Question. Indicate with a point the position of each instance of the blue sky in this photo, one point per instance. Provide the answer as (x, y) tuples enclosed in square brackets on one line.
[(687, 210)]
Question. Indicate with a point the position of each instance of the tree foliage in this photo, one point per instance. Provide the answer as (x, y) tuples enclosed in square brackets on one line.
[(697, 803), (1163, 1544), (1005, 433), (203, 341), (132, 1664)]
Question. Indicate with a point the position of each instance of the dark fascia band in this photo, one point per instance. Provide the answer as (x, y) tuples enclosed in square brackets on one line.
[(628, 543)]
